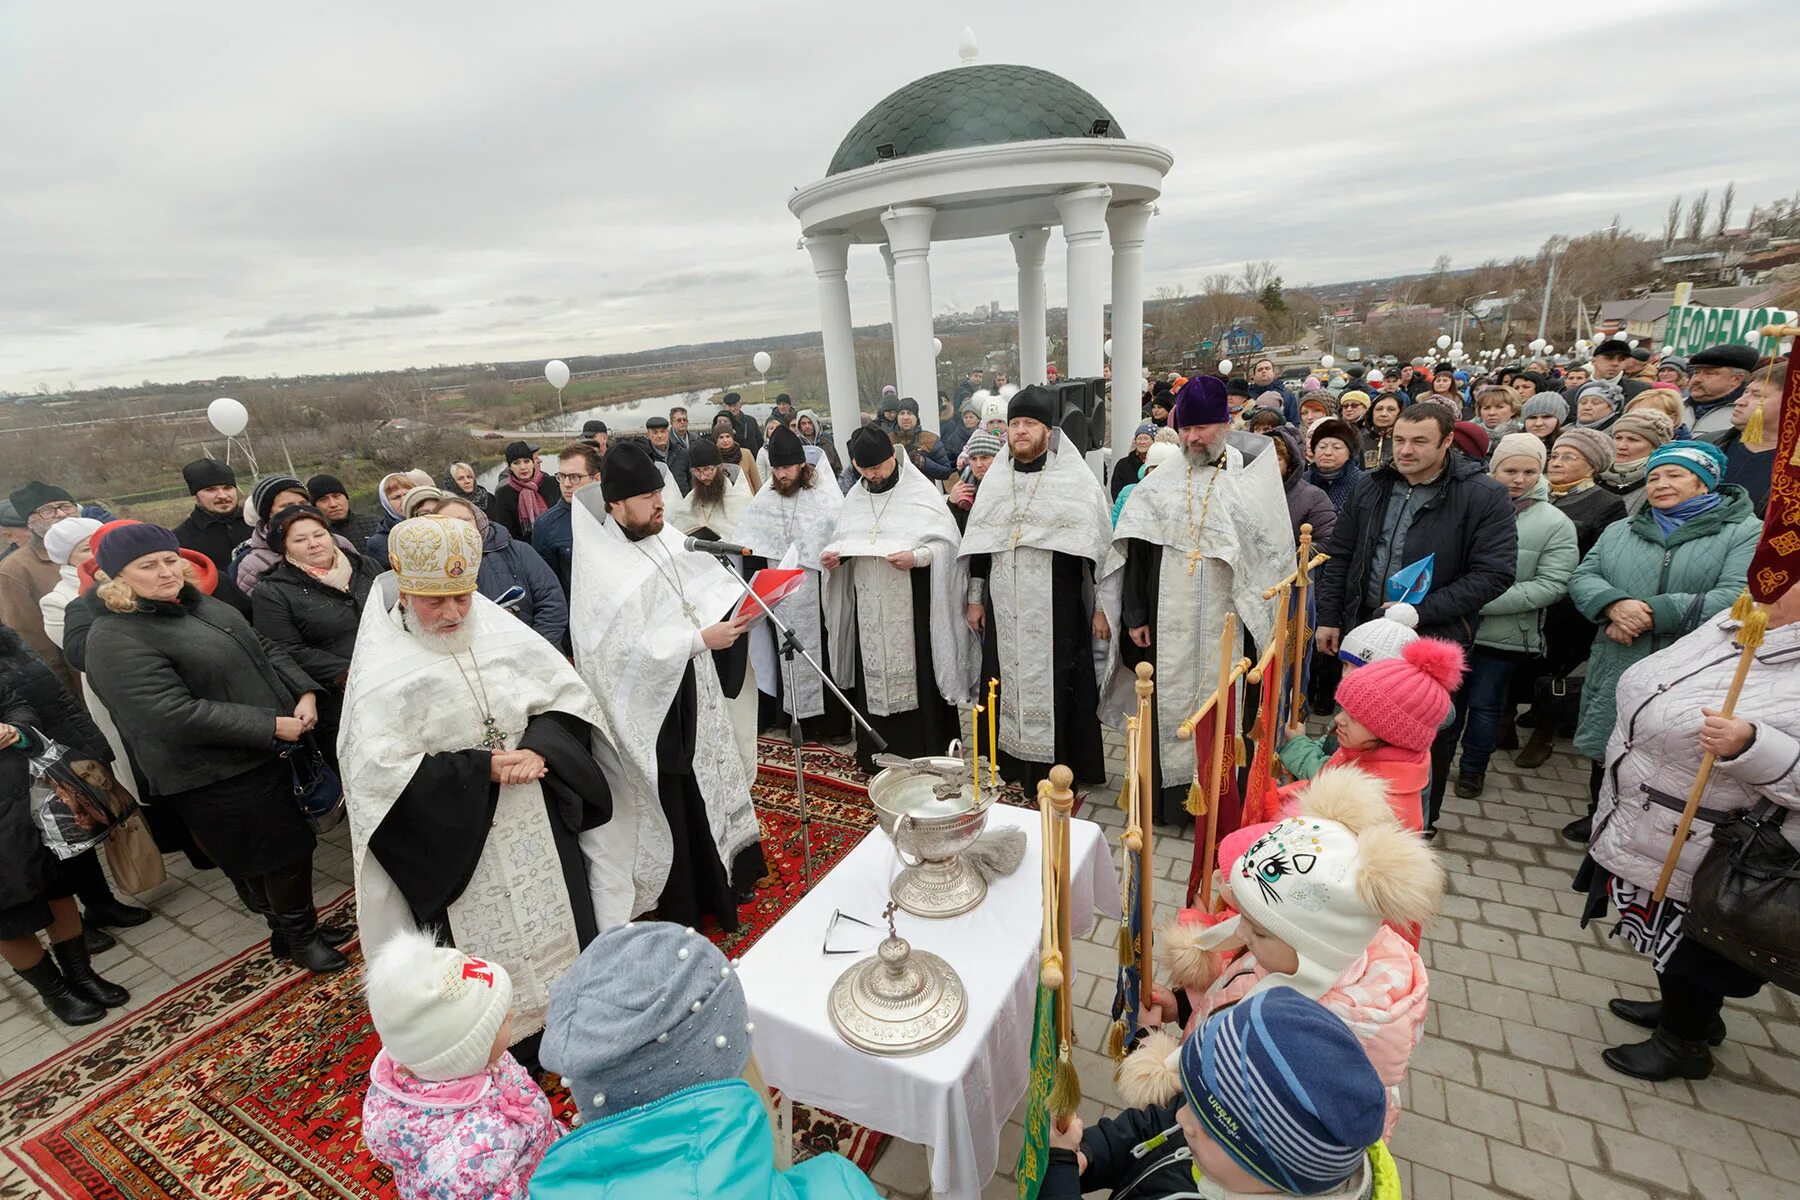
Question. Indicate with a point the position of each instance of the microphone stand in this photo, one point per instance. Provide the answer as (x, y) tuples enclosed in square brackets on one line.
[(790, 650)]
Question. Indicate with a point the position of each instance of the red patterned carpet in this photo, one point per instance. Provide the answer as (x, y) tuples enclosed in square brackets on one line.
[(247, 1082)]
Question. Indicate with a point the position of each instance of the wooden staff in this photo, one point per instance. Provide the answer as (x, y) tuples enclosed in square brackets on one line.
[(1146, 799), (1277, 635), (1050, 962), (1297, 695), (1753, 621), (1239, 669), (1065, 1091), (1227, 645)]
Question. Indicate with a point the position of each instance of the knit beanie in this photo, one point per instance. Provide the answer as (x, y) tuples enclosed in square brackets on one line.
[(126, 544), (1403, 700), (1607, 389), (1324, 401), (1353, 396), (648, 1009), (321, 486), (1702, 458), (409, 503), (984, 443), (1591, 444), (205, 473), (1520, 445), (262, 496), (1546, 404), (1384, 637), (61, 538), (1271, 400), (1158, 454), (1282, 1085), (1652, 426), (1470, 438), (437, 1009)]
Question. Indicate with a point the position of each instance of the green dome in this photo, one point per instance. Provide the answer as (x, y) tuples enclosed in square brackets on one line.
[(979, 105)]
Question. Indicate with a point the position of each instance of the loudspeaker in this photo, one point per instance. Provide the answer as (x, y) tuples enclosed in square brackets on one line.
[(1081, 412)]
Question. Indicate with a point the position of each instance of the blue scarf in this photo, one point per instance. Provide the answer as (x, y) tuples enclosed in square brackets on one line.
[(1671, 519)]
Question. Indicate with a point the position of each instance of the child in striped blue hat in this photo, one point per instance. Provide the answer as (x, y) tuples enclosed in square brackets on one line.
[(1277, 1099)]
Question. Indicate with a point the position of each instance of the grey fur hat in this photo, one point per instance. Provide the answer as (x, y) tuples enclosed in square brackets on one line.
[(648, 1009)]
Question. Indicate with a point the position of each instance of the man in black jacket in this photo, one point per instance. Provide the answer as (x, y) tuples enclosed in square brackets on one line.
[(328, 492), (748, 429), (216, 526)]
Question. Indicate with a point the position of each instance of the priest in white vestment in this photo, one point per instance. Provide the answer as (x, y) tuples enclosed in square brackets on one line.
[(794, 514), (716, 499), (653, 628), (1035, 539), (901, 646), (1201, 536), (467, 745)]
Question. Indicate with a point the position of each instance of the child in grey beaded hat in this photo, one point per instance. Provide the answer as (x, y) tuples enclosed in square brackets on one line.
[(650, 1030)]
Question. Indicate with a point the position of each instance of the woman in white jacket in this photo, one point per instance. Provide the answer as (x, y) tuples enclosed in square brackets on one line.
[(1667, 721)]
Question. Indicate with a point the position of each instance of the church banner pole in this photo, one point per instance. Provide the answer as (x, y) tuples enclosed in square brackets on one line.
[(1297, 697), (1215, 792)]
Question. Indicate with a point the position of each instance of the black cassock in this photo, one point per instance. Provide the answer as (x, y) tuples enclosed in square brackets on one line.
[(433, 837), (832, 725), (699, 884), (932, 726), (1077, 693)]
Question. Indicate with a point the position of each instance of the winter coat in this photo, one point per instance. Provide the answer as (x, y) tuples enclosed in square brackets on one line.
[(1468, 525), (26, 577), (1404, 774), (195, 692), (1168, 1172), (1307, 504), (1304, 757), (919, 446), (358, 528), (1684, 577), (1656, 747), (1592, 509), (1514, 620), (504, 509), (256, 558), (712, 1141), (553, 537), (313, 621), (1124, 474), (217, 535), (59, 714), (1752, 470), (479, 496), (1627, 483), (1337, 489), (377, 545), (506, 563), (460, 1139)]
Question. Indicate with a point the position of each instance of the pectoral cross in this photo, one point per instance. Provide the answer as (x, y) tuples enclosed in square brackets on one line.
[(693, 614), (491, 736), (1193, 560)]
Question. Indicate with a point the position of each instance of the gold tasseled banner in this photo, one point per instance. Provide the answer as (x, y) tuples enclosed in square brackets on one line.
[(1065, 1087)]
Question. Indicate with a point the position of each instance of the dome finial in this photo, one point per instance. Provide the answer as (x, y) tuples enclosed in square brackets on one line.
[(968, 50)]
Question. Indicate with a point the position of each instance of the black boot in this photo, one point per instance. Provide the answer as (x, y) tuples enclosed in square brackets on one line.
[(114, 912), (98, 940), (1579, 830), (1468, 787), (78, 968), (1662, 1057), (67, 1005), (1648, 1014), (1536, 751), (331, 935), (289, 892)]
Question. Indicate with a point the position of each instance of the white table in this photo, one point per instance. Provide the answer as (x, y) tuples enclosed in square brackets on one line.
[(956, 1098)]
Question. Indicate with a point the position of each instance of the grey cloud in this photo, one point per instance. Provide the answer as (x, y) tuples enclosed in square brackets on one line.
[(394, 312), (284, 323)]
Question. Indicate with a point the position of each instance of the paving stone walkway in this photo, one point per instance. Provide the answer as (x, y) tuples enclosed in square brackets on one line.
[(1507, 1095)]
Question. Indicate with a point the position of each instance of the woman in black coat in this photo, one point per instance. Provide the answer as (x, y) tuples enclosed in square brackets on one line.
[(310, 604), (36, 889), (209, 712)]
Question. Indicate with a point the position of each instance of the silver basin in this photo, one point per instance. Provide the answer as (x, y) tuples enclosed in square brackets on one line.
[(930, 833)]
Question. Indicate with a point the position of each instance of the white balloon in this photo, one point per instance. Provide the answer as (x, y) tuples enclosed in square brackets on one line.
[(1456, 345), (1632, 344), (1108, 347), (1549, 349), (1443, 342), (556, 372), (1511, 349), (761, 362), (1325, 360), (1224, 366), (937, 347), (228, 416)]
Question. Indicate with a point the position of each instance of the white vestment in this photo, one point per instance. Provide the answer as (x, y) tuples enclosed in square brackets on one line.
[(1022, 520), (869, 603), (634, 608), (688, 513), (405, 700), (1240, 542), (773, 524)]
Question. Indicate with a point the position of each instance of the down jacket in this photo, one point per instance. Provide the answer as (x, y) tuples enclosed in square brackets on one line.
[(506, 563), (1685, 578), (256, 558), (1656, 748), (1514, 620), (313, 621)]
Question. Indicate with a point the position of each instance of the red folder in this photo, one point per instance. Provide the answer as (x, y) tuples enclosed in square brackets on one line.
[(773, 584)]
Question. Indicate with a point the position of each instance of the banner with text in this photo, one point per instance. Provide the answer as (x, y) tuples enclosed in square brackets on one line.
[(1692, 327)]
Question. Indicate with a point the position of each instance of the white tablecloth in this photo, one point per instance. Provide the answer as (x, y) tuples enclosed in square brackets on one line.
[(956, 1098)]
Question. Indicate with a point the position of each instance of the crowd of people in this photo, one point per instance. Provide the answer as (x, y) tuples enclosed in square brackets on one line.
[(543, 710)]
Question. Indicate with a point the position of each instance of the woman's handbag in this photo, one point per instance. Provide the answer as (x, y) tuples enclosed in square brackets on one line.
[(1745, 903), (317, 791), (75, 801), (132, 854)]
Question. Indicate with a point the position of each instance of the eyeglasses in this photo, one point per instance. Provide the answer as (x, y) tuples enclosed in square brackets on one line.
[(570, 477), (57, 508)]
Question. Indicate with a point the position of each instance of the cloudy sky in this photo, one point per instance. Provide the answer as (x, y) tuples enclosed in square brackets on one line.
[(189, 190)]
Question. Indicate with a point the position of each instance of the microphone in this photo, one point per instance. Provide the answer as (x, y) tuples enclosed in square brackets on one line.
[(722, 549)]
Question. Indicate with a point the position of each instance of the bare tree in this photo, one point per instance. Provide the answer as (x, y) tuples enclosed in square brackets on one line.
[(1257, 276), (1672, 222), (1727, 199), (1696, 225), (1218, 284)]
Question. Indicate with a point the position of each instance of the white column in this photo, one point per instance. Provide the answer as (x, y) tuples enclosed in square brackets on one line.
[(1127, 223), (830, 258), (887, 259), (1028, 251), (1083, 214), (909, 241)]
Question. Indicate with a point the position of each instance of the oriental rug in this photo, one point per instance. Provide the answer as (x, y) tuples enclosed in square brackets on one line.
[(247, 1081)]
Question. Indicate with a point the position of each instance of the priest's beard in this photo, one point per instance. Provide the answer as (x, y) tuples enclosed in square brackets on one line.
[(457, 641), (799, 483), (1206, 456), (711, 493), (885, 485)]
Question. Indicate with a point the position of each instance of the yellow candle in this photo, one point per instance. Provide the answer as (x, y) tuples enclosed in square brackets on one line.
[(975, 748), (993, 735)]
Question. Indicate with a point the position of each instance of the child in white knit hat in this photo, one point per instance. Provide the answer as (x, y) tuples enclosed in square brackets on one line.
[(448, 1108)]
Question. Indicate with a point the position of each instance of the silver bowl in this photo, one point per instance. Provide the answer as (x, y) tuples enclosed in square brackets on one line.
[(930, 830)]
